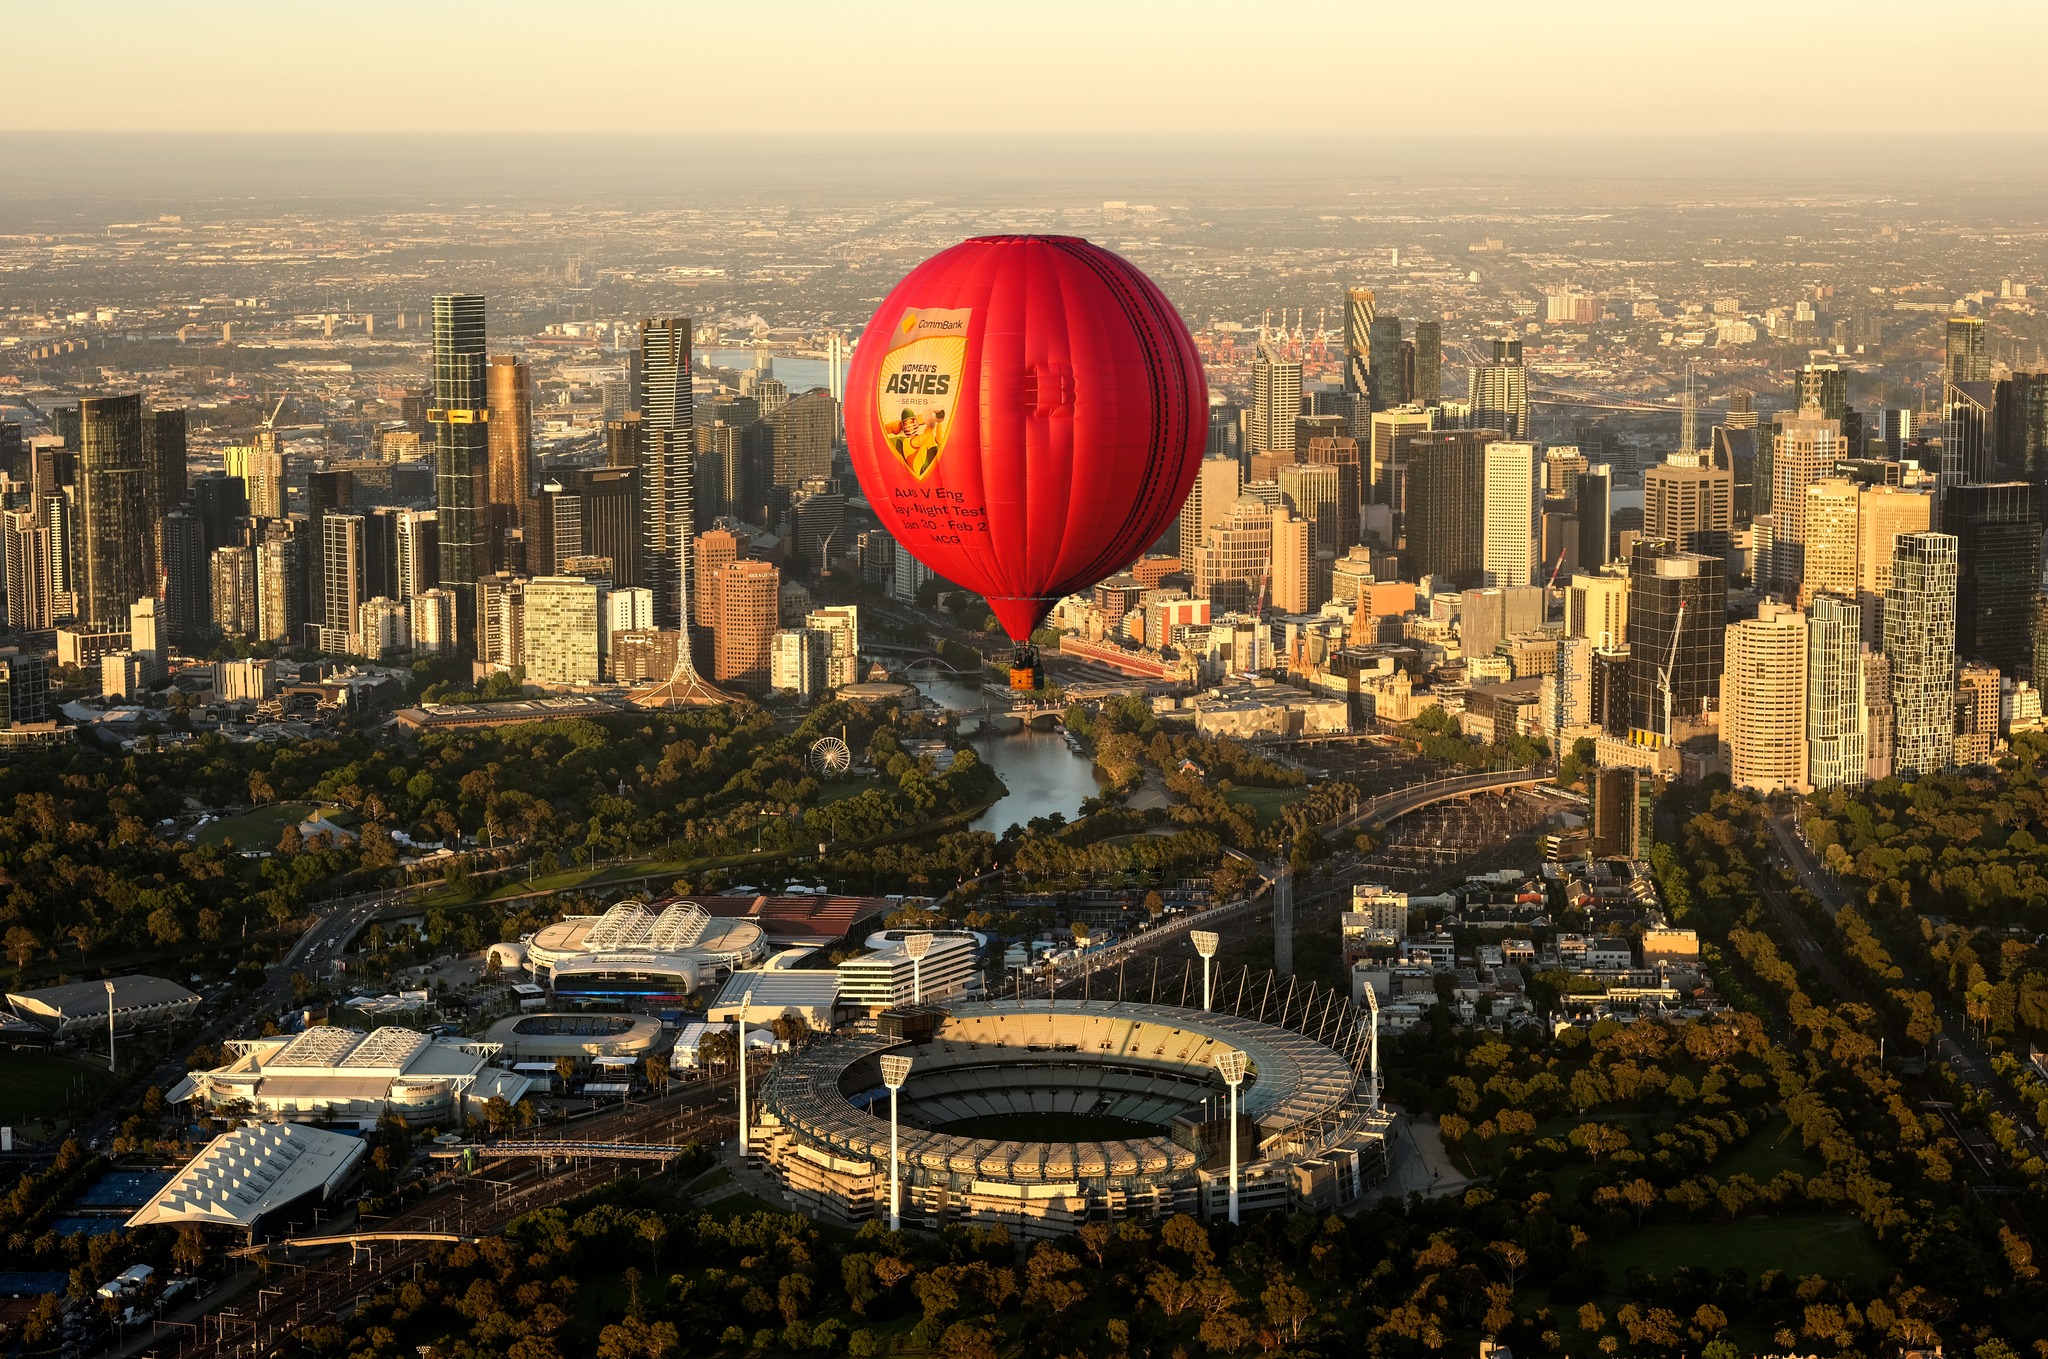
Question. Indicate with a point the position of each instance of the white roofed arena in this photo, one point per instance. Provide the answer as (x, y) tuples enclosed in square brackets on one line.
[(1043, 1114), (635, 949)]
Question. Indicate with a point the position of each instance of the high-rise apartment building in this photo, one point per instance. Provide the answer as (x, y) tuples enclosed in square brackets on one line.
[(163, 452), (432, 615), (1500, 391), (234, 591), (385, 628), (416, 550), (184, 580), (668, 466), (341, 580), (37, 569), (460, 417), (265, 477), (1997, 529), (1920, 652), (562, 622), (281, 584), (841, 624), (1692, 506), (749, 594), (1837, 715), (1276, 402), (1677, 623), (1763, 700), (1510, 513), (715, 549), (1315, 492), (509, 392), (109, 560)]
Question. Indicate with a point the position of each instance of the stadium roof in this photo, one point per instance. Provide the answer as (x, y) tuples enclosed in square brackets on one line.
[(254, 1170), (812, 992)]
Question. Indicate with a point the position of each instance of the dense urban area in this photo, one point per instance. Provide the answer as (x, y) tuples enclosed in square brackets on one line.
[(503, 855)]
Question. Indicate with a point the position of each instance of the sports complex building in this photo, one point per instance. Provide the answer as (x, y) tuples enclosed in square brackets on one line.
[(1044, 1114), (637, 949)]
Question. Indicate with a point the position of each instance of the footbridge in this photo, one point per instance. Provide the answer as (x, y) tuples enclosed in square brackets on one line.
[(559, 1151), (1389, 806)]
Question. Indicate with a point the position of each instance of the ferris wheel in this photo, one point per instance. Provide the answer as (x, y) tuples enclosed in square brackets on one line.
[(829, 757)]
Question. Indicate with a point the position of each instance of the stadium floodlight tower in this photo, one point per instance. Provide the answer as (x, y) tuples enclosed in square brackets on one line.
[(917, 946), (1205, 942), (746, 1000), (110, 1030), (1231, 1063), (895, 1070)]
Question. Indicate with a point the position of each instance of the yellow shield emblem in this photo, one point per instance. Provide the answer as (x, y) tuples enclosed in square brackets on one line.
[(918, 389)]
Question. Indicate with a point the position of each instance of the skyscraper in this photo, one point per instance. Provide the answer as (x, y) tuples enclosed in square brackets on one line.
[(1294, 576), (1832, 539), (1837, 718), (416, 552), (1692, 506), (1920, 652), (1596, 608), (1276, 402), (1314, 491), (234, 591), (623, 444), (1388, 388), (187, 585), (37, 573), (1215, 489), (1429, 363), (714, 550), (562, 620), (266, 482), (280, 584), (1510, 513), (1593, 492), (1677, 619), (163, 440), (1807, 447), (1763, 700), (1968, 360), (1236, 555), (611, 519), (1997, 529), (460, 417), (110, 561), (1446, 517), (1500, 391), (509, 391), (1342, 454), (668, 466), (749, 597), (1359, 310), (1882, 514), (1823, 385), (804, 428), (341, 539), (1969, 432)]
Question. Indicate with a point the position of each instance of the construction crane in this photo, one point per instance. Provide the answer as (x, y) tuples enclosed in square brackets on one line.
[(1556, 569), (1259, 622), (1671, 662), (270, 422)]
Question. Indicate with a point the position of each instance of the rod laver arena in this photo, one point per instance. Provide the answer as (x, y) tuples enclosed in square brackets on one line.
[(1043, 1114)]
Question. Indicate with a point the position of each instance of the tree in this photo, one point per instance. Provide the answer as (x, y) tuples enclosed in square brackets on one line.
[(1288, 1307), (565, 1069), (1599, 1139), (21, 945), (1512, 1260)]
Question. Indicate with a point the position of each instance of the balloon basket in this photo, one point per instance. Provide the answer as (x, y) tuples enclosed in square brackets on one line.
[(1025, 673)]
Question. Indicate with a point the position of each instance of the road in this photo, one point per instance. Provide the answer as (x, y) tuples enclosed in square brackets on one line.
[(1964, 1056)]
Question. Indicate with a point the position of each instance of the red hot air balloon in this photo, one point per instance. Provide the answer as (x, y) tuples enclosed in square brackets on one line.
[(1026, 415)]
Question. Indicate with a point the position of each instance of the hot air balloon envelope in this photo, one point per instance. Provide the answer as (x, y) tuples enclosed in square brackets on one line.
[(1026, 414)]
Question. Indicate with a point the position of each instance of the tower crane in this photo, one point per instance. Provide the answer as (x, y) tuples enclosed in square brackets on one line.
[(1670, 662)]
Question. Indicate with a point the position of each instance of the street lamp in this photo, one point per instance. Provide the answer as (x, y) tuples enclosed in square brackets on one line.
[(917, 946), (895, 1070), (110, 1029), (1205, 942), (746, 1000), (1231, 1063)]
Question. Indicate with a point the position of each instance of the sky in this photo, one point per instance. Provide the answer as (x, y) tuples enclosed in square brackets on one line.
[(912, 70)]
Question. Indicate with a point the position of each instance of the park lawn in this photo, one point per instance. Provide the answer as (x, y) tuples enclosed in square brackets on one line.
[(36, 1085), (1766, 1152), (1835, 1244), (1264, 802), (260, 827)]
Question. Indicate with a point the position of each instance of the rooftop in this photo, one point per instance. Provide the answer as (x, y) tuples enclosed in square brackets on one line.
[(254, 1170)]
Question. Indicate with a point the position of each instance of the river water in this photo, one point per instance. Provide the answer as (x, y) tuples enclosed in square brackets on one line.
[(1043, 775)]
